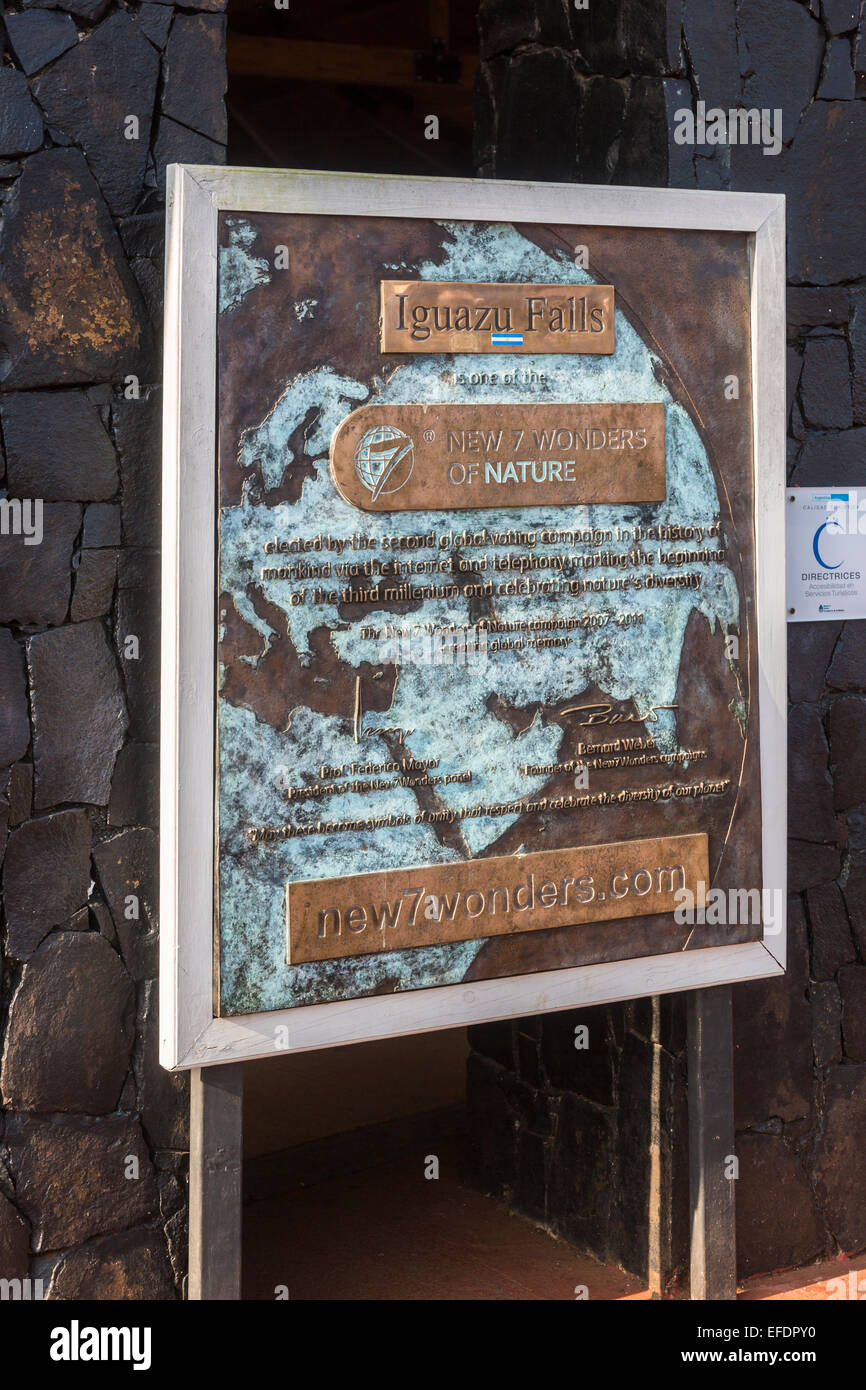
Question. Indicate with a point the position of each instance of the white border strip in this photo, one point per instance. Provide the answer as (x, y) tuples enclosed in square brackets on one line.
[(190, 1034)]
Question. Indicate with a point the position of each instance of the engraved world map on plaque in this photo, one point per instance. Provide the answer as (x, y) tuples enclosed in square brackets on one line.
[(487, 682)]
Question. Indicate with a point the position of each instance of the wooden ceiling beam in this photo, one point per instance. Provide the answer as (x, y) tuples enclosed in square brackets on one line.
[(439, 20), (305, 60)]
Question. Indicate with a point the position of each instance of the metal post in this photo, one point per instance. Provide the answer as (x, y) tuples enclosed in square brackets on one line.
[(215, 1172), (711, 1144)]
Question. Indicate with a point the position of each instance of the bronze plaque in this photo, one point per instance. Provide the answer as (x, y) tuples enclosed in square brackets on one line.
[(483, 678), (447, 316), (405, 458), (331, 918)]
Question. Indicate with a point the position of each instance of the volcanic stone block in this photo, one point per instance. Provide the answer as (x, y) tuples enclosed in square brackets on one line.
[(660, 1020), (20, 793), (820, 307), (94, 585), (810, 647), (194, 80), (74, 314), (39, 37), (177, 1239), (588, 1072), (46, 877), (491, 1141), (534, 1159), (840, 16), (78, 1061), (832, 946), (793, 370), (840, 1172), (778, 1222), (527, 1039), (713, 168), (810, 865), (826, 214), (847, 729), (56, 447), (810, 792), (71, 1176), (772, 1019), (494, 1040), (855, 819), (643, 147), (504, 24), (155, 21), (832, 458), (602, 114), (797, 429), (711, 37), (838, 81), (854, 893), (149, 277), (132, 1265), (162, 1096), (20, 121), (137, 426), (137, 638), (781, 52), (35, 579), (14, 1241), (538, 123), (91, 10), (580, 1190), (621, 36), (488, 84), (858, 352), (79, 715), (826, 383), (101, 525), (89, 95), (646, 1070), (681, 161), (176, 144), (139, 569), (848, 667), (852, 988), (826, 1022), (135, 786), (144, 235), (127, 866), (14, 720)]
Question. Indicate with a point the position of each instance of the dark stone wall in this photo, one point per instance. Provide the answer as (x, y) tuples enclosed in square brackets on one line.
[(95, 99), (590, 95)]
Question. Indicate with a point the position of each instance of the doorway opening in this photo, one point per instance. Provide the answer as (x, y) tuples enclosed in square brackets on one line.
[(355, 1160), (353, 85)]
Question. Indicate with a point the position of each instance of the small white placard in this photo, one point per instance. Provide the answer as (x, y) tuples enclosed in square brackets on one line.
[(826, 553)]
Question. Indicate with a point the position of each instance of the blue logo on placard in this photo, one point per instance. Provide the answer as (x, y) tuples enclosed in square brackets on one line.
[(815, 550)]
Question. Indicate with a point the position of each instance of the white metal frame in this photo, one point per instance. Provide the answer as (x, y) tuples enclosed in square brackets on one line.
[(191, 1034)]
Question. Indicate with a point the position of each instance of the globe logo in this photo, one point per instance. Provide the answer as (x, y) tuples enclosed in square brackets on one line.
[(384, 459)]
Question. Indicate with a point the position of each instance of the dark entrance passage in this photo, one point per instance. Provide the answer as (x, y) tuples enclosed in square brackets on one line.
[(352, 85)]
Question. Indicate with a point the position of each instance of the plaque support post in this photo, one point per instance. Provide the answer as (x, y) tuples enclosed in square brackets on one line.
[(215, 1173), (713, 1273)]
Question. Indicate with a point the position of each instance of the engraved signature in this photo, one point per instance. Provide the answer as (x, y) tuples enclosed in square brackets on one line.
[(606, 714), (362, 730)]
